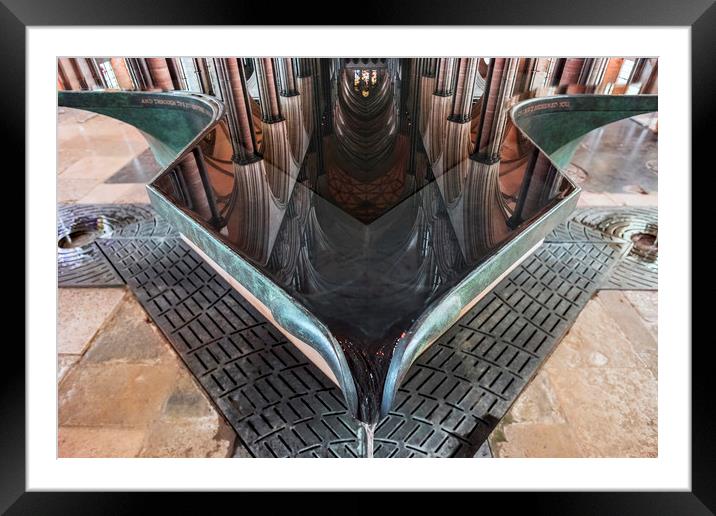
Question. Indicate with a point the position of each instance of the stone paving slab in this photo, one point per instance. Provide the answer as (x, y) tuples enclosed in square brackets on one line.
[(130, 395), (596, 396)]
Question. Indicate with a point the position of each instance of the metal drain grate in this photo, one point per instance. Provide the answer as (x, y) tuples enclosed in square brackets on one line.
[(80, 262), (147, 228), (85, 265), (282, 406), (639, 268)]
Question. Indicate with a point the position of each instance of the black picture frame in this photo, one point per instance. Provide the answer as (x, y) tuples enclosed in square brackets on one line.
[(700, 15)]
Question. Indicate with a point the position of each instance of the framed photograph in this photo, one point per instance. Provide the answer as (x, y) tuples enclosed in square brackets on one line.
[(266, 247)]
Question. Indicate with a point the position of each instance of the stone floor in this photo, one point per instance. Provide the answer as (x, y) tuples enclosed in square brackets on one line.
[(123, 392), (596, 394)]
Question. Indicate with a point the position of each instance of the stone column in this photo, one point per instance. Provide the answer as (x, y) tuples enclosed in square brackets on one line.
[(571, 72), (121, 72), (68, 74), (80, 72), (651, 84), (638, 70), (176, 72), (595, 73), (95, 73), (202, 67), (159, 72), (464, 86), (612, 70), (63, 82), (540, 73), (525, 70), (139, 73), (554, 70), (268, 90)]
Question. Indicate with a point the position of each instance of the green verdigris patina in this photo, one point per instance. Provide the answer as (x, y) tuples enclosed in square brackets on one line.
[(171, 122), (558, 124)]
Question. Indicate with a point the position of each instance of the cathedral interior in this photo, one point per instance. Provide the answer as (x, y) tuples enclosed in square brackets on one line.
[(278, 256)]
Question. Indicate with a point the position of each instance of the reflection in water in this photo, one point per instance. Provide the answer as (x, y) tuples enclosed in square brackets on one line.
[(371, 191)]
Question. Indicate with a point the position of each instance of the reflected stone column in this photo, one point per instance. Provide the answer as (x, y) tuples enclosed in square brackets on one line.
[(493, 116), (414, 116), (232, 81), (194, 183), (445, 77), (455, 163), (429, 67), (638, 70), (281, 168), (438, 108), (483, 200), (483, 205), (427, 87), (268, 90), (318, 106), (464, 87), (539, 178), (303, 67), (525, 70), (191, 166), (287, 76)]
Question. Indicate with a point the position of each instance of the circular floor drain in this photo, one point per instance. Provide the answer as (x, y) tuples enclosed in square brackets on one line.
[(645, 245), (79, 261), (640, 227), (83, 232)]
